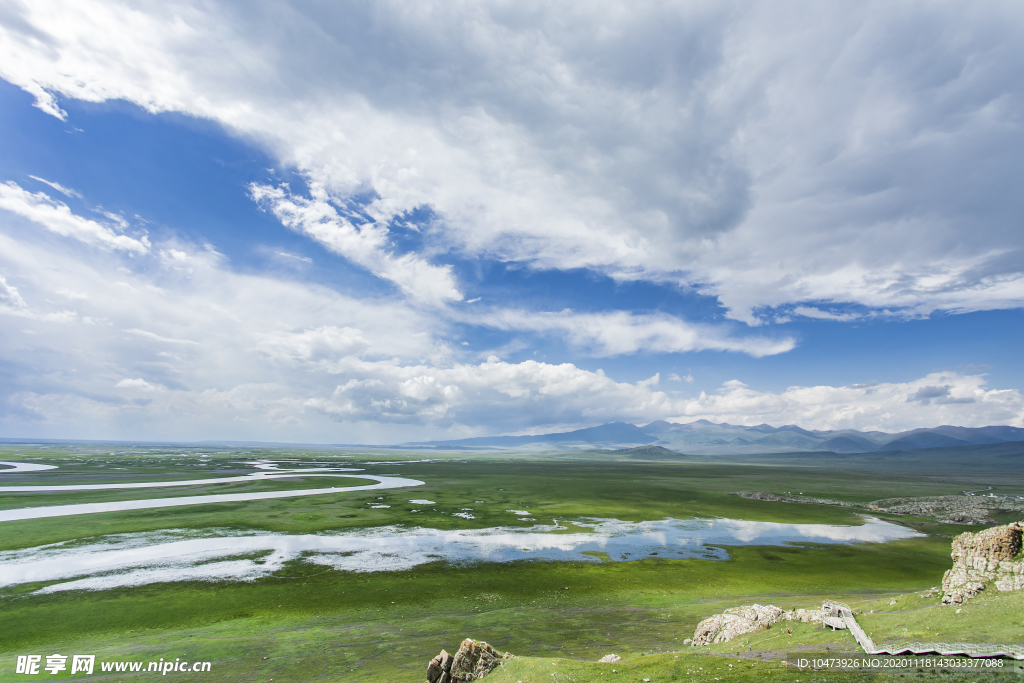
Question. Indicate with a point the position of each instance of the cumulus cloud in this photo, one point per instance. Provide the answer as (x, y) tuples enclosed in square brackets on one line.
[(227, 353), (771, 156), (173, 343), (57, 217), (281, 360), (495, 393), (323, 343), (137, 383), (787, 159), (938, 398)]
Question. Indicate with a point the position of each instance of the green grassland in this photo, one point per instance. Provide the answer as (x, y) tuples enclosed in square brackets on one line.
[(308, 622)]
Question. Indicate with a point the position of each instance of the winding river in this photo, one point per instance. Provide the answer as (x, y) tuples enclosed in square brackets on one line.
[(266, 471)]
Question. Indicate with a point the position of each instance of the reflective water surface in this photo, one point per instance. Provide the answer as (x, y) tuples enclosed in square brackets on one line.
[(7, 467), (383, 482), (222, 554), (266, 470)]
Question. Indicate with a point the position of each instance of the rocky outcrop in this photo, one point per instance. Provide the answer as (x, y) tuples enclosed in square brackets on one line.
[(721, 628), (807, 616), (945, 509), (992, 556), (474, 660), (762, 615), (736, 621), (439, 669)]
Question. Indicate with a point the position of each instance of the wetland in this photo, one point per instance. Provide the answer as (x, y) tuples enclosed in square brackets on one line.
[(611, 555)]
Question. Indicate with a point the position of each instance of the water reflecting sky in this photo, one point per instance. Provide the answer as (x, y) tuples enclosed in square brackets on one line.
[(223, 554)]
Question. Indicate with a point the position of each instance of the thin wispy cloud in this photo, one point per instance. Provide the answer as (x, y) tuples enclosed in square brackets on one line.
[(622, 332), (55, 216), (57, 186), (156, 337)]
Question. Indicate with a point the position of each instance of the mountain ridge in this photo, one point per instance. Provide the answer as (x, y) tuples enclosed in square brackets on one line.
[(702, 437)]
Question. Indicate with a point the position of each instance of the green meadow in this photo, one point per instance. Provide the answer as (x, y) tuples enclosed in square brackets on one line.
[(309, 622)]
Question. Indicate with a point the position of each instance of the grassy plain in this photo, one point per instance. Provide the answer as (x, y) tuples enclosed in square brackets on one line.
[(311, 623)]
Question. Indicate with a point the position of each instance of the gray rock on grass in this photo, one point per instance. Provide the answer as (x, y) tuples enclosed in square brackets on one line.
[(989, 556), (474, 660), (737, 621)]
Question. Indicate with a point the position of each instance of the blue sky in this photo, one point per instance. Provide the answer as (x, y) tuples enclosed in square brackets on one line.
[(374, 224)]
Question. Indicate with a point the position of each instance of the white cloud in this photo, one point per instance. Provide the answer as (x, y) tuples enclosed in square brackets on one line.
[(44, 100), (137, 383), (323, 343), (770, 156), (777, 156), (12, 303), (812, 312), (57, 217), (494, 394), (156, 337), (234, 353), (10, 298), (936, 399), (293, 257), (613, 333), (365, 245), (685, 378), (57, 186), (280, 360)]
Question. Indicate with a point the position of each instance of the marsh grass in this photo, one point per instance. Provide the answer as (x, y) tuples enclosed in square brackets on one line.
[(313, 623)]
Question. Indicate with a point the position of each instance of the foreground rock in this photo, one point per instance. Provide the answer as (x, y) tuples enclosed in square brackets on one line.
[(737, 621), (989, 556), (474, 660)]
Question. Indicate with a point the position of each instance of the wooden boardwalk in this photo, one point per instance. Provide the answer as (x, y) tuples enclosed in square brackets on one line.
[(977, 650)]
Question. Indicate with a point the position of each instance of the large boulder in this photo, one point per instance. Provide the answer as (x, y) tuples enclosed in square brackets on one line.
[(762, 615), (474, 660), (439, 668), (735, 621), (721, 628), (989, 556), (807, 616)]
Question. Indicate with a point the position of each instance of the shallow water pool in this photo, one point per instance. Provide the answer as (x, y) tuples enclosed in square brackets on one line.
[(222, 554)]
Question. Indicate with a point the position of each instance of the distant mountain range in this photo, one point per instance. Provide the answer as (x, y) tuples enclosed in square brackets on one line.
[(707, 438)]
